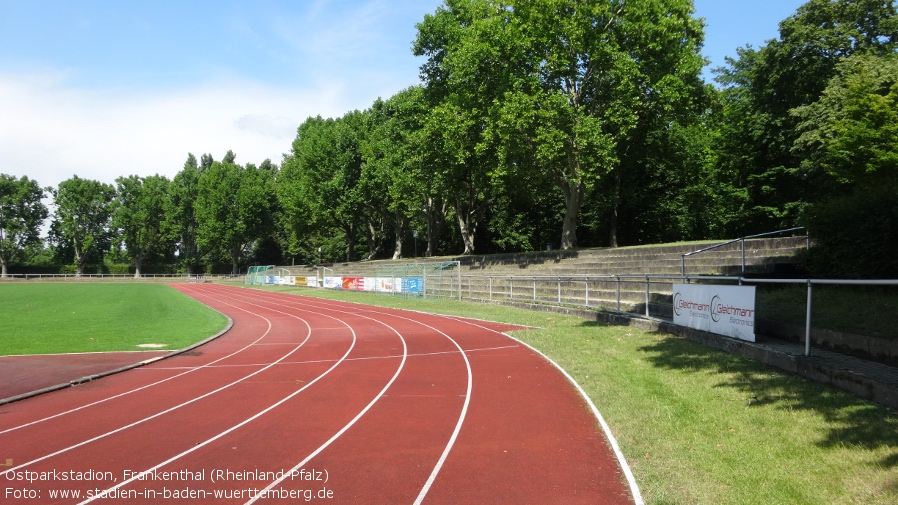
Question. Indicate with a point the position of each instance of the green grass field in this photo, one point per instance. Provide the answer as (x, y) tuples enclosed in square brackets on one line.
[(699, 426), (91, 317)]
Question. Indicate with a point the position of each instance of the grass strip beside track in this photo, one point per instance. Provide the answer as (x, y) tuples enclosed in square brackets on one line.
[(699, 426), (95, 317)]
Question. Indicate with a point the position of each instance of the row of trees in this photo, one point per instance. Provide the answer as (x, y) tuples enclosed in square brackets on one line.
[(562, 122)]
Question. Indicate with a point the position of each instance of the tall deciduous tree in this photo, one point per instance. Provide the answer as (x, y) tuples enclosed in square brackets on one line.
[(324, 171), (565, 89), (21, 216), (762, 87), (142, 218), (81, 221), (233, 209), (184, 191)]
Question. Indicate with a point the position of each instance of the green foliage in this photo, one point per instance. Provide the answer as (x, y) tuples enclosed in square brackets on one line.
[(21, 215), (234, 207), (851, 133), (81, 221), (763, 87), (142, 217), (856, 236)]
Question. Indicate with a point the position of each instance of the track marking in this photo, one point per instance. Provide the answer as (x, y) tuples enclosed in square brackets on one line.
[(195, 399), (631, 480), (139, 476), (461, 418)]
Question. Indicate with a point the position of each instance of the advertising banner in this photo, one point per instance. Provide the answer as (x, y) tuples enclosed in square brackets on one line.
[(412, 285), (312, 281), (725, 310), (354, 283), (333, 282)]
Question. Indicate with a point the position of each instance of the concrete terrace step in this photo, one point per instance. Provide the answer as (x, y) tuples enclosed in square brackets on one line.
[(762, 255)]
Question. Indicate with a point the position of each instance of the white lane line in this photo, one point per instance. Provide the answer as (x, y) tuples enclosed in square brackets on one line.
[(125, 393), (345, 428), (462, 415), (385, 356), (105, 493), (622, 461), (171, 409)]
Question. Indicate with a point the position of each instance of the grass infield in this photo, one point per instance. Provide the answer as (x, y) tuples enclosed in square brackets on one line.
[(699, 426), (93, 317)]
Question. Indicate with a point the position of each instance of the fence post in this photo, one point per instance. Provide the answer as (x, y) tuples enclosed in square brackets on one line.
[(647, 296), (587, 292), (534, 290), (618, 292), (491, 289), (742, 240), (559, 291), (807, 326)]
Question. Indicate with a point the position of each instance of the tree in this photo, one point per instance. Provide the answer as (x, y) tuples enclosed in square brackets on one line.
[(81, 221), (141, 217), (184, 190), (851, 132), (762, 87), (21, 216), (323, 174), (234, 208), (564, 90)]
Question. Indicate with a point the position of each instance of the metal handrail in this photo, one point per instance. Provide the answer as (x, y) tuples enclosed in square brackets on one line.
[(742, 240)]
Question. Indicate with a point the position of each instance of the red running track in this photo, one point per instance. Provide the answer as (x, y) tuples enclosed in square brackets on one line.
[(314, 400)]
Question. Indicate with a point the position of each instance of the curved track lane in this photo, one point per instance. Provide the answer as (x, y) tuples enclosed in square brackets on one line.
[(313, 400)]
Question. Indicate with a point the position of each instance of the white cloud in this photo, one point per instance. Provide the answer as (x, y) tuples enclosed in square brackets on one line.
[(51, 132)]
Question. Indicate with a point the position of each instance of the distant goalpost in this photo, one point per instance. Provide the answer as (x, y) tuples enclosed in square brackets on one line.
[(256, 274), (427, 280)]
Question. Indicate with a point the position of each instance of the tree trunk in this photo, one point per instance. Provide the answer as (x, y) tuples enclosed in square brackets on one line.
[(573, 198), (466, 227), (138, 262), (400, 234), (235, 259), (615, 206), (3, 267), (375, 238), (436, 214)]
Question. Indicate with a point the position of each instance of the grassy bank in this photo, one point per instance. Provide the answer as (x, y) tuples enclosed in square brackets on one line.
[(699, 426), (93, 317)]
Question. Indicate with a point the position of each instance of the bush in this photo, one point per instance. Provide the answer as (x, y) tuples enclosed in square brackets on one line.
[(855, 236)]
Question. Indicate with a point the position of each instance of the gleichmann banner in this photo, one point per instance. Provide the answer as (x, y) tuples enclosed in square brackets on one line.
[(725, 310)]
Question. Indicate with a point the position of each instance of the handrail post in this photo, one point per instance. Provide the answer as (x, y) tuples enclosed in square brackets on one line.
[(559, 291), (807, 324), (683, 264), (647, 296), (618, 292), (743, 254), (587, 292)]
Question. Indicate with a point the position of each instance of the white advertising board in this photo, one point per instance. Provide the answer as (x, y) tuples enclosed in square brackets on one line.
[(725, 310)]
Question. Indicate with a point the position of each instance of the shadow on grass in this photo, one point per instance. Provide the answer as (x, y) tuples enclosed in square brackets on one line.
[(849, 420)]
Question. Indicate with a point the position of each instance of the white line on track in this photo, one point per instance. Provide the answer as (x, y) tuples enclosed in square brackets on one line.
[(622, 461), (141, 388), (171, 409), (386, 356), (141, 475), (105, 493), (458, 425)]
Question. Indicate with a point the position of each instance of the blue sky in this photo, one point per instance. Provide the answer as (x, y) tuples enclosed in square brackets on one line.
[(112, 88)]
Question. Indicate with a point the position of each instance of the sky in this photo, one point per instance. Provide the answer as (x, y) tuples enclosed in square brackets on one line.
[(104, 89)]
